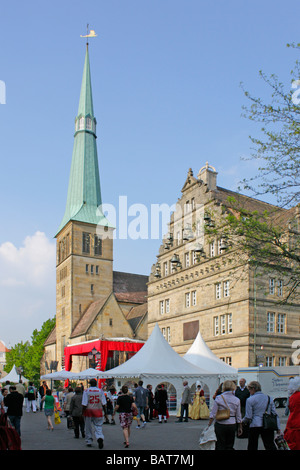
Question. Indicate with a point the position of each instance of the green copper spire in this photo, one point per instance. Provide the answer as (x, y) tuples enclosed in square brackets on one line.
[(84, 194)]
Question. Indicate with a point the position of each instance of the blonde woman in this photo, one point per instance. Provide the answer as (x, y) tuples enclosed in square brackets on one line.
[(225, 429)]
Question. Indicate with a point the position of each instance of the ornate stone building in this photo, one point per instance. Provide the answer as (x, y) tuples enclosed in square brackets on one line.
[(196, 284)]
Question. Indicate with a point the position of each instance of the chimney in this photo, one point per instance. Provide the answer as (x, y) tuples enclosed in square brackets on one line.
[(208, 175)]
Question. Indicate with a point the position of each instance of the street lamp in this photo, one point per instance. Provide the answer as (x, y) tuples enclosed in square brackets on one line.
[(94, 356), (19, 372)]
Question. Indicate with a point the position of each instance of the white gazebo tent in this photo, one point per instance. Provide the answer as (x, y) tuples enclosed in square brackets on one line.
[(200, 355), (58, 375), (14, 377), (157, 362), (86, 374)]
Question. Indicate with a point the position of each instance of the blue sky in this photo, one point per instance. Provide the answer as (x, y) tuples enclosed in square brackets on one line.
[(166, 80)]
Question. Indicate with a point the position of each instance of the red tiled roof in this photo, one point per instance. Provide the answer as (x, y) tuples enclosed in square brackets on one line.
[(3, 348)]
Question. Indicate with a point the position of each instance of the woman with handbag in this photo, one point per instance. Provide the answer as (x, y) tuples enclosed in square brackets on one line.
[(262, 418), (126, 408), (226, 412)]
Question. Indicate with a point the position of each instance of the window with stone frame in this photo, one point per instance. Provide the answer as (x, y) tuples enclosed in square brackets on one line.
[(97, 246), (271, 322), (281, 323), (272, 286), (194, 298), (226, 289), (86, 242), (218, 290)]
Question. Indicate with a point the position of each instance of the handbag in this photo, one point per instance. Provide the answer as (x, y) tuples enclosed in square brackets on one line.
[(56, 418), (207, 440), (269, 419), (134, 410), (223, 413)]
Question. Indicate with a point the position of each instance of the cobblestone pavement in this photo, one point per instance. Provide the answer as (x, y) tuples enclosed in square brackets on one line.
[(170, 436)]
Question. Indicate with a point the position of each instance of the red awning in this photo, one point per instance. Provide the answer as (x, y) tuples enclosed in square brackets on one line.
[(83, 349)]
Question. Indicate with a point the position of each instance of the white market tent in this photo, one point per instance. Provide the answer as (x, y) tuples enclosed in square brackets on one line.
[(200, 355), (13, 376), (58, 375), (157, 362), (69, 375), (86, 374)]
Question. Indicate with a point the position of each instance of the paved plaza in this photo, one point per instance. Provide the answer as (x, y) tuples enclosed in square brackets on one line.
[(170, 436)]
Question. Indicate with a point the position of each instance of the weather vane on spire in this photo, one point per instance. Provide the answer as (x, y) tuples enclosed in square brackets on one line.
[(90, 34)]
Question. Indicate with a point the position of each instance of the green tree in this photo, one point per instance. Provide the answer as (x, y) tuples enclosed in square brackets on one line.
[(277, 149), (29, 355), (17, 356), (268, 235)]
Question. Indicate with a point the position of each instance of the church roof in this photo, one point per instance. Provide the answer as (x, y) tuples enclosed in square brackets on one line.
[(129, 287), (136, 315), (88, 317), (84, 193)]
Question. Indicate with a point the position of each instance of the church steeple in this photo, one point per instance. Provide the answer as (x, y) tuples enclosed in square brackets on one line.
[(84, 193)]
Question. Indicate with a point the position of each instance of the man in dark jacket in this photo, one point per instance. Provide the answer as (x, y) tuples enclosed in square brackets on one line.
[(141, 401), (14, 403), (242, 393), (149, 410), (76, 412)]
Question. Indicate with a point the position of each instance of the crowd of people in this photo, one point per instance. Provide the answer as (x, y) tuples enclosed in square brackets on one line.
[(237, 411)]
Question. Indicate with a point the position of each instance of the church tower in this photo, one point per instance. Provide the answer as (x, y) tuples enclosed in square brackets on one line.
[(84, 241)]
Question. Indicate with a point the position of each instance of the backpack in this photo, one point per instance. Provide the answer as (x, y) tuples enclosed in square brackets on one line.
[(31, 393)]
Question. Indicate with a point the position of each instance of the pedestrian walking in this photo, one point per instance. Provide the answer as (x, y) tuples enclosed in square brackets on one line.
[(161, 398), (150, 408), (20, 388), (242, 392), (93, 400), (31, 398), (68, 397), (256, 405), (225, 426), (5, 392), (141, 401), (76, 412), (14, 403), (109, 407), (113, 399), (292, 430), (42, 392), (124, 406), (186, 400), (49, 407)]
